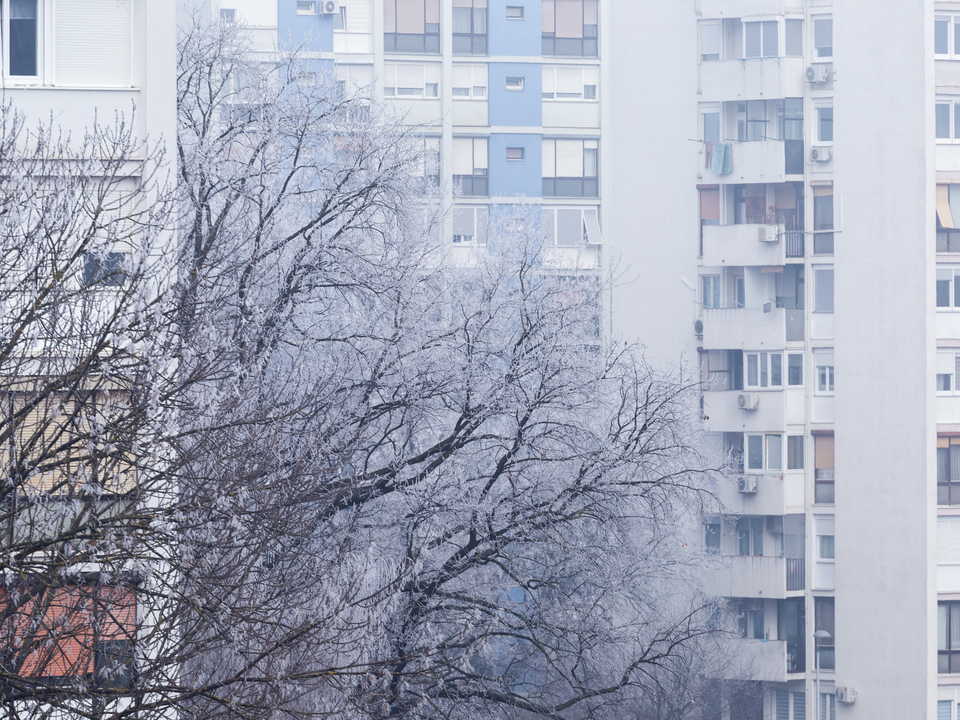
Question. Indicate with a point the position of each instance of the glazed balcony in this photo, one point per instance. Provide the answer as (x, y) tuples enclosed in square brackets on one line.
[(753, 79), (761, 161)]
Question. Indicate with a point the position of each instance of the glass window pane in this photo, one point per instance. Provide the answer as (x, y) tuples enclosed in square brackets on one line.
[(753, 370), (956, 35), (771, 39), (943, 293), (954, 626), (825, 124), (755, 452), (710, 41), (774, 452), (823, 37), (824, 291), (795, 452), (943, 121), (764, 375), (826, 547), (711, 127), (794, 38), (752, 39), (941, 627), (941, 36), (795, 369), (776, 372), (461, 19), (23, 37)]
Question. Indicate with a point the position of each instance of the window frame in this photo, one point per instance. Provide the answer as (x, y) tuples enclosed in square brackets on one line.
[(948, 276), (481, 225), (790, 356), (947, 489), (549, 75), (519, 16), (43, 29), (476, 69), (589, 43), (515, 84), (764, 39), (309, 7), (479, 42), (818, 111), (425, 91), (952, 105), (478, 183), (825, 551), (589, 185), (823, 477), (948, 657), (952, 21), (767, 441), (587, 228), (818, 273), (815, 53), (765, 370), (714, 57), (431, 41), (519, 153)]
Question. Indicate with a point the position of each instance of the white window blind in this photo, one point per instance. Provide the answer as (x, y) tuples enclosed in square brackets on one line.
[(569, 158), (480, 153), (710, 39), (463, 156), (358, 15), (783, 705), (944, 710), (799, 706), (549, 158), (569, 82), (93, 42), (948, 541)]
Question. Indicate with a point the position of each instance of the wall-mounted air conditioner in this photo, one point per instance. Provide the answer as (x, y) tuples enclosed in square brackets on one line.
[(846, 695), (747, 484), (821, 154), (748, 401), (328, 7), (767, 233), (817, 74)]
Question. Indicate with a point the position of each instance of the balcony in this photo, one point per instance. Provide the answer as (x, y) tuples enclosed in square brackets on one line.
[(754, 79), (743, 245), (762, 660), (769, 499), (722, 413), (749, 576), (741, 8), (740, 328), (762, 161)]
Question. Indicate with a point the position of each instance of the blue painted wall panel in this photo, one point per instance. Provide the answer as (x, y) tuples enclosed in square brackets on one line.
[(510, 107), (313, 32), (514, 37), (513, 178)]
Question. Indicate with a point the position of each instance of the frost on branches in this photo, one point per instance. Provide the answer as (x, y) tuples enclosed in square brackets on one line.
[(269, 454)]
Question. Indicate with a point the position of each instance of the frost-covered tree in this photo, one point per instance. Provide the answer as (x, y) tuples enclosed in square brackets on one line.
[(277, 455)]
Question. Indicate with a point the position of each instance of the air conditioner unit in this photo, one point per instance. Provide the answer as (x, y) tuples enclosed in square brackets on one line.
[(767, 233), (747, 484), (846, 695), (698, 327), (748, 401), (821, 154), (817, 74), (328, 7)]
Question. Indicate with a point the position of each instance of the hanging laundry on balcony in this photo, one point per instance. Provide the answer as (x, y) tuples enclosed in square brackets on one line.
[(708, 154), (722, 159)]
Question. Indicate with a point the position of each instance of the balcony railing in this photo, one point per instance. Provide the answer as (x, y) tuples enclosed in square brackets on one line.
[(796, 655), (795, 574), (793, 241)]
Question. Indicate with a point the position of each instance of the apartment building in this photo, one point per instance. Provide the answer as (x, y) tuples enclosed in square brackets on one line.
[(796, 160), (508, 96), (66, 66)]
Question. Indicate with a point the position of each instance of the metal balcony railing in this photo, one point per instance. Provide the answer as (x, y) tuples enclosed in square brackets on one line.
[(793, 243), (795, 573)]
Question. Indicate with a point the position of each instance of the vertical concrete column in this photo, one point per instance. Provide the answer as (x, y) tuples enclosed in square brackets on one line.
[(884, 356)]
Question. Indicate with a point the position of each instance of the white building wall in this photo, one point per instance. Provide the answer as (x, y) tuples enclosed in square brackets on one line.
[(884, 351)]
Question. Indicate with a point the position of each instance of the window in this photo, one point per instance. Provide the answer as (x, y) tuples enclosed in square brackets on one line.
[(783, 699), (23, 32), (760, 39), (113, 664), (823, 220), (710, 40), (340, 18), (826, 552), (711, 536), (793, 34), (948, 207), (470, 165), (470, 82), (470, 27), (947, 120), (430, 169), (411, 26), (228, 15), (823, 289), (764, 370), (948, 373), (795, 452), (470, 225), (515, 154), (750, 617), (410, 80), (764, 452), (823, 370), (570, 168), (824, 620), (710, 115), (948, 471), (306, 8), (823, 37), (571, 227), (570, 27), (514, 12), (749, 536), (828, 706), (103, 270), (515, 84), (570, 84), (825, 124), (944, 710), (711, 290), (752, 121), (795, 369), (948, 287), (946, 35), (823, 493)]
